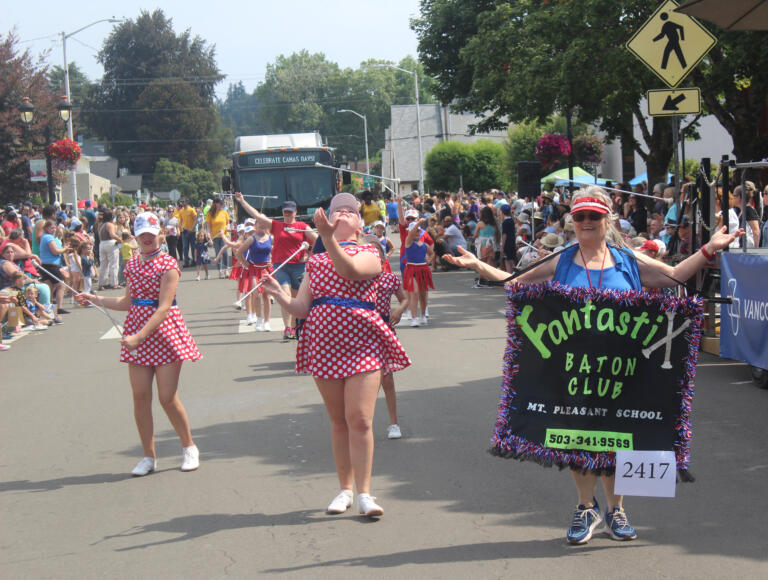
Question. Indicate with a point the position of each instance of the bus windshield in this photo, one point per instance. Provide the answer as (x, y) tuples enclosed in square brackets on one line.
[(285, 175)]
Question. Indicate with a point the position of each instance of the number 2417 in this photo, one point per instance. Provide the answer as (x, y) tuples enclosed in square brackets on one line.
[(645, 470)]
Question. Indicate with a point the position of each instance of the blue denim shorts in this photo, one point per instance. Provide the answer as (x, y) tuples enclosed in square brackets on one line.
[(290, 275)]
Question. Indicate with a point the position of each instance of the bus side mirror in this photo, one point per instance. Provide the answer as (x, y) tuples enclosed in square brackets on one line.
[(226, 183)]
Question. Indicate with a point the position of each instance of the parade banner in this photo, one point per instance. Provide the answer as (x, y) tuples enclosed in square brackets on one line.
[(744, 324), (588, 372)]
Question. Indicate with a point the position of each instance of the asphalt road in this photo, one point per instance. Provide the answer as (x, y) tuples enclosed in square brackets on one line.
[(70, 508)]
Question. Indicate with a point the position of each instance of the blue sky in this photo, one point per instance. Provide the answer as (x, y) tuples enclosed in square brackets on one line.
[(247, 35)]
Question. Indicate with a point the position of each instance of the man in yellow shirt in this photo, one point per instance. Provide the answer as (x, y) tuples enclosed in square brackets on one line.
[(369, 210), (187, 222), (216, 223)]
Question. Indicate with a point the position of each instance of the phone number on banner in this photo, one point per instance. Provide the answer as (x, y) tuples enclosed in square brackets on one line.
[(588, 440)]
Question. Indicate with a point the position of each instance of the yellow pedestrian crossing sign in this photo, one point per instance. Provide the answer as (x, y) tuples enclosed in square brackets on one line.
[(671, 44)]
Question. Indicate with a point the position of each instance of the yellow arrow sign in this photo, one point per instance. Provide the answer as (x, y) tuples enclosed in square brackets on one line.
[(666, 102), (671, 44)]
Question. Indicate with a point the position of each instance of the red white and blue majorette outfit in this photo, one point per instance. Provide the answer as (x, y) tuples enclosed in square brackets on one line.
[(344, 334), (258, 256), (171, 341), (416, 268)]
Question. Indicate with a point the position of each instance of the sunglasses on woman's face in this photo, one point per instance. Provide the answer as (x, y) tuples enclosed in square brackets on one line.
[(592, 216)]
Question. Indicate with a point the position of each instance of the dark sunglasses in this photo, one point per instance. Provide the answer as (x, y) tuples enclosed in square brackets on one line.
[(592, 216)]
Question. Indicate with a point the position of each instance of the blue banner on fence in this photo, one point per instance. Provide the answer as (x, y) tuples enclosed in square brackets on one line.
[(744, 322)]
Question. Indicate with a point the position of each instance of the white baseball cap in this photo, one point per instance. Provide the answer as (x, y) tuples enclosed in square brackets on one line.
[(146, 223), (412, 213)]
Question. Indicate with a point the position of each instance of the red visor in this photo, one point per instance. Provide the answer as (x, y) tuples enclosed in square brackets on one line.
[(590, 204)]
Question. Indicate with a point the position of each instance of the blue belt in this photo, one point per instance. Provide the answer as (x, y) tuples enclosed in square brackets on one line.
[(347, 302), (148, 302)]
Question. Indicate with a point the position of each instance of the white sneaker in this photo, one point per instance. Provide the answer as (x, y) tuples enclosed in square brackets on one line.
[(248, 319), (367, 506), (414, 321), (207, 277), (198, 278), (426, 312), (267, 327), (423, 320), (145, 466), (41, 327), (259, 323), (191, 458), (393, 432), (407, 315), (341, 502)]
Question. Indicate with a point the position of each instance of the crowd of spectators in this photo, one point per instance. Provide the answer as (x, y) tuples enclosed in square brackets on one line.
[(510, 231), (46, 251)]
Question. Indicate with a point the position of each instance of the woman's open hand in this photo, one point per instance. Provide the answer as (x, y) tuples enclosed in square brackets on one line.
[(324, 227), (721, 239), (464, 260)]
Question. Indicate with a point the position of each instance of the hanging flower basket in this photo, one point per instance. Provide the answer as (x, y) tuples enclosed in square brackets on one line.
[(64, 154), (588, 149), (552, 149)]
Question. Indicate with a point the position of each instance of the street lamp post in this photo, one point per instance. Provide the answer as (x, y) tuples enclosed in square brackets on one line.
[(418, 117), (27, 113), (70, 132), (365, 131)]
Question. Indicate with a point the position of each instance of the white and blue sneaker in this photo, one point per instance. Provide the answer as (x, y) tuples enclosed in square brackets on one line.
[(585, 520), (618, 525)]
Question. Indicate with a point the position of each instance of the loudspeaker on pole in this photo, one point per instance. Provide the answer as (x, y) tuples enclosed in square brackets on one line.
[(528, 178)]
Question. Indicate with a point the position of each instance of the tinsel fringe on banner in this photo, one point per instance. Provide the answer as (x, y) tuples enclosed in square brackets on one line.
[(507, 445)]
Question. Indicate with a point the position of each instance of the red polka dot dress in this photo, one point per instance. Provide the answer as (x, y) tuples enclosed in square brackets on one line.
[(340, 341), (386, 284), (171, 341)]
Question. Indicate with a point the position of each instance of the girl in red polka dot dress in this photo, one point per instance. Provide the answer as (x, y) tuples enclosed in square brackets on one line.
[(344, 344), (388, 284), (155, 341)]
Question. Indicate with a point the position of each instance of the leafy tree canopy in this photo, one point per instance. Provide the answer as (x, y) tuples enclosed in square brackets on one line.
[(303, 92), (23, 76), (477, 165), (156, 95), (195, 184), (528, 59)]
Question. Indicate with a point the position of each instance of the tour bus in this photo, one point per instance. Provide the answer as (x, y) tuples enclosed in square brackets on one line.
[(270, 169)]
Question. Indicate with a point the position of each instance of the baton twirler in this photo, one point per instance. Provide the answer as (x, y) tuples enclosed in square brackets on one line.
[(303, 247)]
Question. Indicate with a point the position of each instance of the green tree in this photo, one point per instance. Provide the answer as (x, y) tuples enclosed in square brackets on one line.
[(195, 184), (520, 144), (296, 90), (79, 87), (240, 111), (22, 76), (303, 92), (446, 164), (479, 166), (121, 199), (155, 77), (517, 61)]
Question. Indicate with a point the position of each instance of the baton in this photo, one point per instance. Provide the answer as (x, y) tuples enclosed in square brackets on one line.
[(304, 246), (99, 308)]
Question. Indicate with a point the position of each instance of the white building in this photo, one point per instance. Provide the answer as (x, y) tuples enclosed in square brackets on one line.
[(400, 156)]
